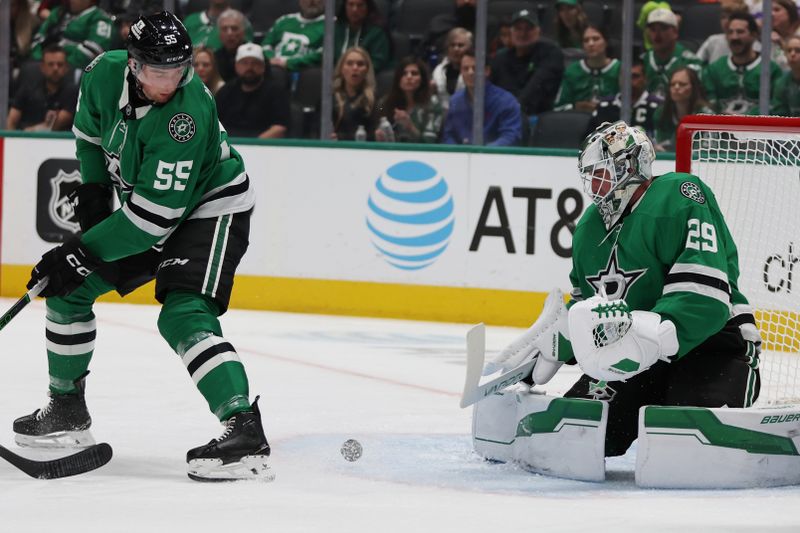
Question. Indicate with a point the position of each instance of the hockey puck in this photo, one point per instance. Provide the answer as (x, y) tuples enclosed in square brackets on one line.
[(351, 450)]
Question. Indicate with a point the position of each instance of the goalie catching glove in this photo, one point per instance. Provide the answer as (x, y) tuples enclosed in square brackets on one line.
[(66, 267), (545, 341), (612, 343)]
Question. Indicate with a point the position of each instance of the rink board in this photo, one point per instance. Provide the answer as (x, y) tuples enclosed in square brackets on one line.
[(483, 236)]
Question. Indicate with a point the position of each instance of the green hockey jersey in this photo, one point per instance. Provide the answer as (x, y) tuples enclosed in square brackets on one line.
[(733, 89), (672, 254), (168, 163), (296, 39), (657, 72), (786, 97), (204, 32), (583, 83), (84, 36)]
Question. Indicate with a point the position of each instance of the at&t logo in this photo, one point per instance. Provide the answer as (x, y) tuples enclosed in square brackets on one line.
[(410, 215)]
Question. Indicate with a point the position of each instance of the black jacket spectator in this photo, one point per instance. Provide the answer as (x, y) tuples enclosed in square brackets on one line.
[(533, 78), (532, 69), (252, 104)]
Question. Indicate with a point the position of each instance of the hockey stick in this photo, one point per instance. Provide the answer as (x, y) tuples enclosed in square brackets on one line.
[(474, 391), (81, 462), (22, 302)]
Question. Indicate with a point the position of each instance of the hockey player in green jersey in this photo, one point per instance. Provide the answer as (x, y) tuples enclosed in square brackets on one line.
[(656, 316), (83, 29), (147, 130)]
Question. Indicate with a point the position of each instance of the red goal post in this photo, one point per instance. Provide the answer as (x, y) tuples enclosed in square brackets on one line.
[(752, 163)]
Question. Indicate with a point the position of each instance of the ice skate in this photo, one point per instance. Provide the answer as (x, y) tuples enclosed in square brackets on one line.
[(63, 423), (241, 452)]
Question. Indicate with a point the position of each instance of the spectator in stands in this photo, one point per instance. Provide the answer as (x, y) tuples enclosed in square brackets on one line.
[(686, 97), (733, 82), (232, 27), (46, 6), (641, 22), (23, 27), (502, 40), (786, 93), (83, 30), (531, 70), (295, 40), (447, 74), (354, 96), (570, 23), (462, 16), (205, 66), (47, 101), (251, 105), (716, 46), (202, 25), (502, 118), (587, 81), (667, 53), (358, 24), (643, 108), (415, 113), (785, 23)]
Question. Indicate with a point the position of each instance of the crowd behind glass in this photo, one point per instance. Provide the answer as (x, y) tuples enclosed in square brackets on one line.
[(405, 69)]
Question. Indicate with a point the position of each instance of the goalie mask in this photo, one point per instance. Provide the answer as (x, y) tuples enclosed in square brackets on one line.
[(614, 161), (160, 52)]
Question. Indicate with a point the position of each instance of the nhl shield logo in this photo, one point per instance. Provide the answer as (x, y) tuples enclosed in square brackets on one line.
[(60, 208)]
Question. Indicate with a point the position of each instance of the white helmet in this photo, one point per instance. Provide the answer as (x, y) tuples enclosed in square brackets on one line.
[(615, 160)]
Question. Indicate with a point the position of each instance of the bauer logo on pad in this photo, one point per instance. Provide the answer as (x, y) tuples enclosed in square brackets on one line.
[(410, 215), (55, 218)]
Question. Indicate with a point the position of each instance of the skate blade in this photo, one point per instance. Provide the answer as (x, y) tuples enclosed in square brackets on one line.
[(248, 467), (57, 440)]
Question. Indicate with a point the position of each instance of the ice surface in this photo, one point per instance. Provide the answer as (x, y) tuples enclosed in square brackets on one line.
[(392, 385)]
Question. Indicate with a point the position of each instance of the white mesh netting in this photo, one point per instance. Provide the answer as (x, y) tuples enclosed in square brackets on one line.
[(756, 180)]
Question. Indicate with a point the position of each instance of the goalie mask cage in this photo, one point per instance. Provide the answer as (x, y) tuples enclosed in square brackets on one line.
[(753, 166)]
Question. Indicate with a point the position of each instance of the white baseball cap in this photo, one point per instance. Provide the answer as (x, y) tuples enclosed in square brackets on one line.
[(249, 50), (663, 16)]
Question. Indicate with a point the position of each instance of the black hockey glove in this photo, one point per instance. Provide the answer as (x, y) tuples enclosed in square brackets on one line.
[(66, 267), (92, 204)]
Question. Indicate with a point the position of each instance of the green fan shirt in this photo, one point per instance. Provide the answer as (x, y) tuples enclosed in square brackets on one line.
[(297, 40), (84, 36), (733, 89)]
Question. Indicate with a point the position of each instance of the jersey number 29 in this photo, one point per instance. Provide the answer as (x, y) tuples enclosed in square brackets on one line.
[(702, 236), (172, 175)]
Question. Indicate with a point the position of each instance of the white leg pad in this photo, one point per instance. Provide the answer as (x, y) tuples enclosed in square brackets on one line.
[(562, 437), (718, 448)]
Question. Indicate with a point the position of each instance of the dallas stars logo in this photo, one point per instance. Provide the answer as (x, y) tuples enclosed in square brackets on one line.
[(613, 280), (601, 391)]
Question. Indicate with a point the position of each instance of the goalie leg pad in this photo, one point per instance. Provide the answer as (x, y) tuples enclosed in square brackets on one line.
[(562, 437), (718, 448)]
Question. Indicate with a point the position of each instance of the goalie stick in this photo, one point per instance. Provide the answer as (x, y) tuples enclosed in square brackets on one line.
[(474, 390), (81, 462)]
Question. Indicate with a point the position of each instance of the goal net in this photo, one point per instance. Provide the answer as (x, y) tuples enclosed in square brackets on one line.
[(753, 166)]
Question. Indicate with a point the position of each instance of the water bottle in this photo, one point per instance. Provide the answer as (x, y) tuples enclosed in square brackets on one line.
[(386, 128), (361, 133)]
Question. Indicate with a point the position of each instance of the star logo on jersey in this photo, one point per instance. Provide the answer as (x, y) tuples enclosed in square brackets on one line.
[(613, 280), (692, 192), (181, 127), (601, 391)]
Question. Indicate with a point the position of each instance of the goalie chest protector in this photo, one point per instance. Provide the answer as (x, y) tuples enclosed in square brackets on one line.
[(672, 254)]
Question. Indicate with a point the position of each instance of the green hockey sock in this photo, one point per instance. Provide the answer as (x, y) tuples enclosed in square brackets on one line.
[(188, 322)]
